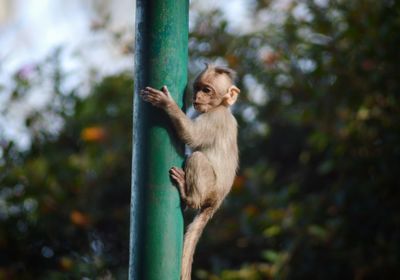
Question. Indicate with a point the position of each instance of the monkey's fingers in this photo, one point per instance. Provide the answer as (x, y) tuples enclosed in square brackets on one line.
[(165, 91), (148, 98), (144, 94), (178, 180), (173, 176), (177, 170), (154, 91), (150, 95), (152, 100), (177, 174), (148, 92)]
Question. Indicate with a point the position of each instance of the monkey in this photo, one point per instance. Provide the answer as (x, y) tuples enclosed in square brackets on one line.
[(210, 170)]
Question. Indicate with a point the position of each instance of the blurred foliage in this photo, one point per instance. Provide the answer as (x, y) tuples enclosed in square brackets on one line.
[(64, 204), (316, 196)]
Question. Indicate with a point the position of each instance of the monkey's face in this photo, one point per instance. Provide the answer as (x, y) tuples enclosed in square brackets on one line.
[(203, 97), (208, 92)]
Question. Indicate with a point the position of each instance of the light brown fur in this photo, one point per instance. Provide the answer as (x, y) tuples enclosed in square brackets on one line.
[(210, 170)]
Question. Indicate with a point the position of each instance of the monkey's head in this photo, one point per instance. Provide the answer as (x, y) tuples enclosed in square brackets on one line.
[(214, 87)]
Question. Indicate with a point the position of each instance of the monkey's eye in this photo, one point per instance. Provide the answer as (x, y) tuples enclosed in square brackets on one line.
[(206, 90)]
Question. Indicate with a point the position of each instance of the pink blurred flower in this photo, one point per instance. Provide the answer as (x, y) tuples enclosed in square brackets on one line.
[(26, 71)]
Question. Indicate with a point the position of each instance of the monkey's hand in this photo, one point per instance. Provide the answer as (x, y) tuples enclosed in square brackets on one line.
[(159, 98)]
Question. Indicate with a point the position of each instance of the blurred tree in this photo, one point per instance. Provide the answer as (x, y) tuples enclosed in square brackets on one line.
[(316, 196), (64, 204), (319, 127)]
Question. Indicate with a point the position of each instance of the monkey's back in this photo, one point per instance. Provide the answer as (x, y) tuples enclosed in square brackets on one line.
[(223, 151)]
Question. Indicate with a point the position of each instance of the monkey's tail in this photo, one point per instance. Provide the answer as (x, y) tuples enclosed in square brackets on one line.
[(192, 236)]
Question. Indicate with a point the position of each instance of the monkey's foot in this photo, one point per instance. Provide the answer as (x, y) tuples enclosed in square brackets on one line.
[(178, 175)]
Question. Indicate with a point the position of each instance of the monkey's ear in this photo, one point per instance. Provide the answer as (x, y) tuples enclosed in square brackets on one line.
[(232, 95)]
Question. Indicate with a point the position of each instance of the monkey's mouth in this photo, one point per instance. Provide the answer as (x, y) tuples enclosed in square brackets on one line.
[(199, 107)]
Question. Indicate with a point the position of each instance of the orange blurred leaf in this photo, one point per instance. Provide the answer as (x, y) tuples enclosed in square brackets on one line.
[(251, 210), (270, 58), (232, 60), (80, 219), (238, 183), (93, 134), (66, 263)]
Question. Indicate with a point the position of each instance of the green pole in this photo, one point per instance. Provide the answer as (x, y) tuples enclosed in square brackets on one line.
[(161, 53)]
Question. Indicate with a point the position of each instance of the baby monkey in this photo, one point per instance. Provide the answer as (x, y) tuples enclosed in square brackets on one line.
[(210, 170)]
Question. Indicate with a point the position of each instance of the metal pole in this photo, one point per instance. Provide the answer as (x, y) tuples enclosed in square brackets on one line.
[(161, 54)]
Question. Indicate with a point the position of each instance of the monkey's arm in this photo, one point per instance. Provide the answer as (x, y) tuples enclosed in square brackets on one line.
[(188, 131)]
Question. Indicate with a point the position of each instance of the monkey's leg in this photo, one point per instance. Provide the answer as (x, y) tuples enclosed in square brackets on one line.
[(200, 181)]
